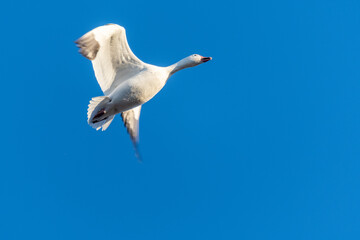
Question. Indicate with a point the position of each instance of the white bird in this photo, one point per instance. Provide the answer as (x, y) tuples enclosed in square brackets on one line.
[(126, 81)]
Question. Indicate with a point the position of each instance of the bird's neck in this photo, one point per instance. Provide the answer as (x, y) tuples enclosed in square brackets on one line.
[(182, 64)]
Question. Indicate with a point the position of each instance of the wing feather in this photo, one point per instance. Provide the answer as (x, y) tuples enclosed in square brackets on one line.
[(113, 61), (131, 121)]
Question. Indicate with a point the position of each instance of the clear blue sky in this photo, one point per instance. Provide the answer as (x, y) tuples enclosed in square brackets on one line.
[(263, 142)]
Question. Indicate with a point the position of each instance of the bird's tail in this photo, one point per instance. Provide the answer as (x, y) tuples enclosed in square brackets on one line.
[(95, 112)]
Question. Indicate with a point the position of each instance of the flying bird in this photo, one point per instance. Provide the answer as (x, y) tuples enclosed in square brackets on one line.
[(126, 81)]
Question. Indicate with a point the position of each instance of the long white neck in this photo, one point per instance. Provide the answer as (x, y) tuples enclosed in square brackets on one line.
[(184, 63)]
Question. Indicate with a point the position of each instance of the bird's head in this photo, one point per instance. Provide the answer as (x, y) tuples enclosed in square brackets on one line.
[(190, 61), (196, 59)]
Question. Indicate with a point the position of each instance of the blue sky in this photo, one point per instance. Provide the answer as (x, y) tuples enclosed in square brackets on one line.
[(263, 142)]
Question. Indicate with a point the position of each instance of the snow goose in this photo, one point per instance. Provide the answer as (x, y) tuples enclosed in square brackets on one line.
[(126, 81)]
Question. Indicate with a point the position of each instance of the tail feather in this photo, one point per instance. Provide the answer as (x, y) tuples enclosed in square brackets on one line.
[(95, 105), (107, 123)]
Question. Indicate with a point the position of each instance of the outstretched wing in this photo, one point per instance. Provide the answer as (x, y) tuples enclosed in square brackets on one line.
[(112, 59), (131, 122)]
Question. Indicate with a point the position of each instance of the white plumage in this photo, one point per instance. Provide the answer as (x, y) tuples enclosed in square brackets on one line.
[(125, 80)]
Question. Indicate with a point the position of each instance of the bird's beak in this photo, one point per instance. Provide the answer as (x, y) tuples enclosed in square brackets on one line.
[(205, 59)]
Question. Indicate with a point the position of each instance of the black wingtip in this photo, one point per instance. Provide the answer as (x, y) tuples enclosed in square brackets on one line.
[(137, 152), (88, 45)]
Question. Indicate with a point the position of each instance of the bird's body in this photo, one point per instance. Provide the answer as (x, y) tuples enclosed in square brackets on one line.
[(137, 90), (140, 88), (126, 81)]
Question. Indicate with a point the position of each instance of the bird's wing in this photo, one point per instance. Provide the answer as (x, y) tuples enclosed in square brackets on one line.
[(131, 122), (111, 56)]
